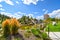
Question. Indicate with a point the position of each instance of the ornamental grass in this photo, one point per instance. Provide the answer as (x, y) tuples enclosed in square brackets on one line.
[(10, 26), (6, 27), (14, 26)]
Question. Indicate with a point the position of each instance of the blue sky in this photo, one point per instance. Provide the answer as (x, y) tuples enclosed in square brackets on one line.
[(34, 8)]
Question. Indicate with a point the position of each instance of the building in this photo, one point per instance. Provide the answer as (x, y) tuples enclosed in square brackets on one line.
[(46, 16)]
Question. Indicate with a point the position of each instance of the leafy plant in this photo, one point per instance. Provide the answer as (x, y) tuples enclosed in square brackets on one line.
[(44, 36), (17, 39), (36, 32), (27, 34), (6, 28), (14, 26), (10, 26)]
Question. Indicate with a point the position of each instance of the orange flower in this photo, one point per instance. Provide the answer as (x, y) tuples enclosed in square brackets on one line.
[(6, 22), (11, 24), (14, 25), (15, 22)]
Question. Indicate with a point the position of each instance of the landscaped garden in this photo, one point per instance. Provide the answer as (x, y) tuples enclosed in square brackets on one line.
[(9, 31), (27, 28)]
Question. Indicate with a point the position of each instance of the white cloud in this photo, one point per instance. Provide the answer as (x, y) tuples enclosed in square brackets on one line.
[(17, 2), (28, 2), (55, 13), (40, 17), (15, 15), (1, 5), (36, 12), (18, 14), (1, 9), (45, 11), (58, 16), (21, 13), (8, 14), (1, 0), (30, 15), (7, 1)]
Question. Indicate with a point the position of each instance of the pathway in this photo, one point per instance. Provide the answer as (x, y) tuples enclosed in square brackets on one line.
[(32, 37), (54, 35)]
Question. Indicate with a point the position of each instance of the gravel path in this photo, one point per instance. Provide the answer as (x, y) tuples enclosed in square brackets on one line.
[(32, 37)]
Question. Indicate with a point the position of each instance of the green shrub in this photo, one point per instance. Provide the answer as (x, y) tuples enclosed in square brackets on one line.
[(44, 36), (36, 32), (27, 34)]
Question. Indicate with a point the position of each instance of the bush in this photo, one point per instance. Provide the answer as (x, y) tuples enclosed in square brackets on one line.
[(14, 26), (36, 32), (10, 26), (27, 35), (44, 36), (6, 28)]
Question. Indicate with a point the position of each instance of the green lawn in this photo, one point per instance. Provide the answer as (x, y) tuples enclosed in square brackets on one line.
[(53, 28)]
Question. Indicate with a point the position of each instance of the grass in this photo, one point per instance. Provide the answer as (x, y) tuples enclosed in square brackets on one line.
[(53, 28)]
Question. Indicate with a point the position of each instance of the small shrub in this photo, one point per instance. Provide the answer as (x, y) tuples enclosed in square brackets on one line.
[(27, 34), (10, 26), (6, 28), (44, 36), (14, 26), (36, 33)]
